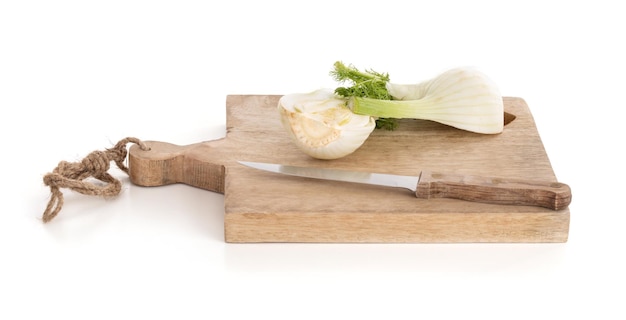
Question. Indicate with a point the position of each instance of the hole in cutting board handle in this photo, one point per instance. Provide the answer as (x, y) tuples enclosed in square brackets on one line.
[(508, 118)]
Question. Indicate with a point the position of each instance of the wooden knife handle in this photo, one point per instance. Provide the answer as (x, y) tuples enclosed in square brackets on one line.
[(552, 195)]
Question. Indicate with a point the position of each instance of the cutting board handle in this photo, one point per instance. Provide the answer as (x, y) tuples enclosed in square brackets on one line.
[(198, 165), (552, 195)]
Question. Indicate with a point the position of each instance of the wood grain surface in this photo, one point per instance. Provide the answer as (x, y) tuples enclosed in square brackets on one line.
[(265, 207)]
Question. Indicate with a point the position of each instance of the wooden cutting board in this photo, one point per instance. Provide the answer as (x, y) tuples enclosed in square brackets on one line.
[(266, 207)]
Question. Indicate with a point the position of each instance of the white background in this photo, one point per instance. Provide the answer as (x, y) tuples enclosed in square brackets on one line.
[(77, 76)]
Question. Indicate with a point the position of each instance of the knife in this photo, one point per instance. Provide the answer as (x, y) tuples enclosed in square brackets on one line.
[(552, 195)]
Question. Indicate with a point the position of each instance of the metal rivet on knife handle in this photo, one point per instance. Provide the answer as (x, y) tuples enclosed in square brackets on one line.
[(552, 195)]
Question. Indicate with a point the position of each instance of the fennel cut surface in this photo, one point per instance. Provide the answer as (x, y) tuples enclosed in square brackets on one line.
[(321, 124)]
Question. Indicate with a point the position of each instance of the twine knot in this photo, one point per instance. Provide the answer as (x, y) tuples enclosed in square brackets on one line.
[(95, 165)]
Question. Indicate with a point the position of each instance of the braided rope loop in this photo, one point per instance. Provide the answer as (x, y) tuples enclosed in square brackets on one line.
[(72, 175)]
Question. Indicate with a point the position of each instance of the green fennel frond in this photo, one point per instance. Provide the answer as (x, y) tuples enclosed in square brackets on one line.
[(365, 84), (386, 123)]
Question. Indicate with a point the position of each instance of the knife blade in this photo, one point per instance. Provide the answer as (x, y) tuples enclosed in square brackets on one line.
[(427, 185)]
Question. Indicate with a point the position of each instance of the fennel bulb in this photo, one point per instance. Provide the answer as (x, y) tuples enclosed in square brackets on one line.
[(330, 125), (463, 98), (321, 124)]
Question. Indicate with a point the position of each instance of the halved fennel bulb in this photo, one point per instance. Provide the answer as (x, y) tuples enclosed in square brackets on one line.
[(321, 124)]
